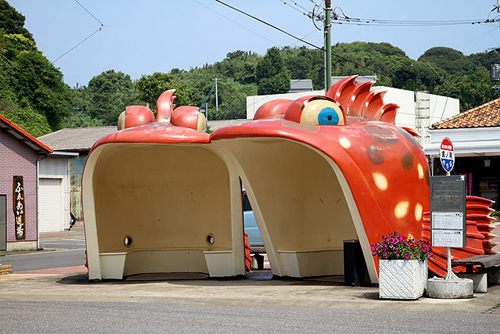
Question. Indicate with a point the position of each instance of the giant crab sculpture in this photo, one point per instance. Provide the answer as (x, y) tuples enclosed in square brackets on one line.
[(318, 170)]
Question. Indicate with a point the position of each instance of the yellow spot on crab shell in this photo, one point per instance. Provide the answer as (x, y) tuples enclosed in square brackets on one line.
[(380, 181), (420, 171), (401, 209), (418, 211), (344, 142)]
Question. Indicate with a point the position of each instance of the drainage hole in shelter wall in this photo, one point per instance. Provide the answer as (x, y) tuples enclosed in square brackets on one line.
[(210, 239), (127, 241)]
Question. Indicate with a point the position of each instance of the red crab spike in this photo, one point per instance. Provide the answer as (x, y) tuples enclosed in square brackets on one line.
[(357, 98), (186, 117), (272, 109), (341, 91), (388, 113), (373, 102), (411, 131), (138, 115), (165, 105)]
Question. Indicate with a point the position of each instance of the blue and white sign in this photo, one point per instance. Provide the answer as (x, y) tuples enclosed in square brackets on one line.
[(447, 155)]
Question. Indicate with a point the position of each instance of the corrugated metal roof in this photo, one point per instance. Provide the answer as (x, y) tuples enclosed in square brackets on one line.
[(485, 115)]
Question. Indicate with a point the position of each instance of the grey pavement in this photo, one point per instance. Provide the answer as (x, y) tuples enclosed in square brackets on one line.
[(69, 284), (256, 291), (146, 317)]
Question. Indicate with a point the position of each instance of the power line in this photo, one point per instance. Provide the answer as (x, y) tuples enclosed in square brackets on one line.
[(341, 18), (477, 37), (227, 18), (295, 7), (269, 24), (102, 24), (92, 34)]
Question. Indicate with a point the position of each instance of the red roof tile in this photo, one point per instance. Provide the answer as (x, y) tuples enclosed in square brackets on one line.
[(20, 133), (485, 115)]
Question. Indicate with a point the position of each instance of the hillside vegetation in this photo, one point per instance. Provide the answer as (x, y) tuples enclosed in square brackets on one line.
[(34, 95)]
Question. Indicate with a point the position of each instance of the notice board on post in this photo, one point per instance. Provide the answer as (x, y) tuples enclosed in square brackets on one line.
[(448, 215)]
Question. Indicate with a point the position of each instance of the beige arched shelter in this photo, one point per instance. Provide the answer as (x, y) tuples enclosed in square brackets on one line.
[(161, 208), (302, 204)]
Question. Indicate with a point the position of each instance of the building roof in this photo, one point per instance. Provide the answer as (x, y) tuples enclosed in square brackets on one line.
[(485, 115), (24, 136), (214, 125), (76, 139), (301, 85), (82, 139)]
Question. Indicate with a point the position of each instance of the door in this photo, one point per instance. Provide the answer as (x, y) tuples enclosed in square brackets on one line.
[(50, 209), (3, 222)]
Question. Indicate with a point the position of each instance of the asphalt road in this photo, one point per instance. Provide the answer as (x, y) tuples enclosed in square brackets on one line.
[(91, 317), (62, 302), (60, 249), (44, 260)]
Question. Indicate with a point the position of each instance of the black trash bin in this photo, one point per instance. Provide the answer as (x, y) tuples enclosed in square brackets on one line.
[(354, 263)]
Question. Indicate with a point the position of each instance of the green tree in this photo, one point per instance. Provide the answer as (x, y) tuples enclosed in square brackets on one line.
[(298, 65), (12, 22), (473, 88), (111, 92), (150, 87), (448, 59), (271, 74), (80, 115), (29, 120), (32, 89), (31, 81), (232, 100)]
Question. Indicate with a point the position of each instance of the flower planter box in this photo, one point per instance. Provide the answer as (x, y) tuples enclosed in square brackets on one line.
[(402, 279)]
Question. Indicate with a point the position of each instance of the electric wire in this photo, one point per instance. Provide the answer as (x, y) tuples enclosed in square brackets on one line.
[(269, 24), (337, 19), (294, 7), (237, 23), (74, 47), (92, 34), (477, 37), (102, 24)]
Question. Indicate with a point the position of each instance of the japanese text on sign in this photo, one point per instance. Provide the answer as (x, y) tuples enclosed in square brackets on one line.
[(447, 220), (19, 213), (447, 238)]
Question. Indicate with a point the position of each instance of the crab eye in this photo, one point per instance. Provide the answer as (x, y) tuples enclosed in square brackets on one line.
[(322, 112)]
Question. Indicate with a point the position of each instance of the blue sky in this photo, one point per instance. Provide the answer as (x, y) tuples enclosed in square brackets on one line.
[(143, 37)]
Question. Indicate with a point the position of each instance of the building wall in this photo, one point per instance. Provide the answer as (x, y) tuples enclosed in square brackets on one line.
[(76, 172), (17, 158), (58, 168), (254, 102)]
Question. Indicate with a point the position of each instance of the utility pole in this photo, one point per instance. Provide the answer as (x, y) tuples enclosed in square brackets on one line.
[(328, 45), (216, 96)]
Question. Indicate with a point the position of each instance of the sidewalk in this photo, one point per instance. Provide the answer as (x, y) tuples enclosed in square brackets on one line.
[(71, 284), (257, 291), (75, 232)]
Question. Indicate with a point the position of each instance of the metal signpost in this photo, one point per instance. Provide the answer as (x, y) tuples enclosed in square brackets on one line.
[(448, 206)]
